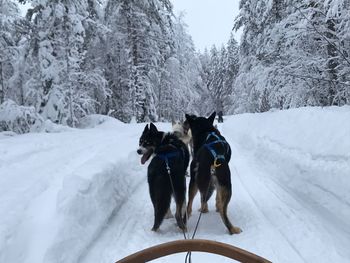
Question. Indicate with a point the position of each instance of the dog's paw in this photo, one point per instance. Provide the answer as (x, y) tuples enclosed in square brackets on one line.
[(183, 229), (235, 230), (189, 212), (203, 210), (154, 229)]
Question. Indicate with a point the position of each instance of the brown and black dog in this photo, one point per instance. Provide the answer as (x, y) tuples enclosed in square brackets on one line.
[(209, 168)]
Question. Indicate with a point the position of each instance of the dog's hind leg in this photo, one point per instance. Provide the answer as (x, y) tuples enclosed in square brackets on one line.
[(206, 193), (180, 200), (205, 186), (218, 202), (224, 192), (161, 205), (192, 191), (180, 217), (192, 188), (225, 196)]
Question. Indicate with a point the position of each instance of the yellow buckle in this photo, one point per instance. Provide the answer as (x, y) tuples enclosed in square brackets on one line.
[(216, 164)]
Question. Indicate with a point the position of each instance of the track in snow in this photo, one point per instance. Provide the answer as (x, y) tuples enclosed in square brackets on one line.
[(278, 223)]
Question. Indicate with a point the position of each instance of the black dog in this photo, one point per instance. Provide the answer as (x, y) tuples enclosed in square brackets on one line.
[(171, 156), (209, 168)]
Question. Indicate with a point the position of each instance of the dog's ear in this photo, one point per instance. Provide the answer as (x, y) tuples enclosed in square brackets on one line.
[(153, 128), (146, 128), (211, 118), (188, 117)]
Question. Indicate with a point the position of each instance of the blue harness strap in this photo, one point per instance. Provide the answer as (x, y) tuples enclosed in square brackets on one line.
[(212, 150), (166, 156)]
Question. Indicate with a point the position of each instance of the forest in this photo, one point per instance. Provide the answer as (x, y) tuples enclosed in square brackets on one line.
[(135, 61)]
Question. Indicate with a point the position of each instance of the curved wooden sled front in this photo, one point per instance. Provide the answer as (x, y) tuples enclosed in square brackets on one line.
[(188, 245)]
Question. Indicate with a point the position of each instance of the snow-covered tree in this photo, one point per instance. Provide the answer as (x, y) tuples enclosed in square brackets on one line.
[(139, 35), (151, 64), (9, 13), (55, 75), (291, 54), (232, 67)]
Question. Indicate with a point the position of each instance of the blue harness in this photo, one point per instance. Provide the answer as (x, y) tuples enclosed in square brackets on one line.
[(166, 156), (209, 146)]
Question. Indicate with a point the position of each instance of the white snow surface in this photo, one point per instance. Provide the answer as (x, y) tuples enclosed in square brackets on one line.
[(81, 195)]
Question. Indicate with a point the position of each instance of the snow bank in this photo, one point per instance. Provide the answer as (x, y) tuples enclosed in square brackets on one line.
[(50, 127), (305, 152), (320, 132), (6, 134), (58, 190), (316, 138), (19, 119), (93, 120), (87, 201)]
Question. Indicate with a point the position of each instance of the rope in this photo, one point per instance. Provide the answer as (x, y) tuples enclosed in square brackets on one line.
[(166, 160), (212, 172)]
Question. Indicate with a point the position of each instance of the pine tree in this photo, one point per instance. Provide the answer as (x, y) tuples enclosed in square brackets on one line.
[(140, 29), (57, 78), (232, 67), (290, 54), (8, 14)]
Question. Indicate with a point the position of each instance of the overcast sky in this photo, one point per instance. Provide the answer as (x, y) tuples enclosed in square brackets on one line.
[(209, 21)]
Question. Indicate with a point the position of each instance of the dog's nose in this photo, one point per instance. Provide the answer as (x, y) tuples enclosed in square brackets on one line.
[(139, 151)]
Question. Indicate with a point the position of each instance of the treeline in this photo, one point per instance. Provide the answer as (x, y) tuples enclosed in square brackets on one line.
[(293, 53), (134, 59), (125, 58)]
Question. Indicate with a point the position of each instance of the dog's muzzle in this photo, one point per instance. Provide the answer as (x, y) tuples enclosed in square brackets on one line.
[(141, 150), (146, 153)]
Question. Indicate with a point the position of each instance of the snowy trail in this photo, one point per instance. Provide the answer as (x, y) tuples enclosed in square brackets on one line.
[(302, 231), (82, 195), (273, 213), (279, 221), (47, 179)]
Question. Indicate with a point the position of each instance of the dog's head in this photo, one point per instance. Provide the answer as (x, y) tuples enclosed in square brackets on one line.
[(178, 128), (199, 125), (149, 140)]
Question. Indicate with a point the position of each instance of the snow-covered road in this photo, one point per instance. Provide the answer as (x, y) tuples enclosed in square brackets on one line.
[(82, 195)]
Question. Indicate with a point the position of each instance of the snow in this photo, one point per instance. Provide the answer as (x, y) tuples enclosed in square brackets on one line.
[(20, 119), (81, 195)]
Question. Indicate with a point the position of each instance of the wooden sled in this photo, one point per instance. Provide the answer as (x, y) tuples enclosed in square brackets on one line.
[(189, 245)]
